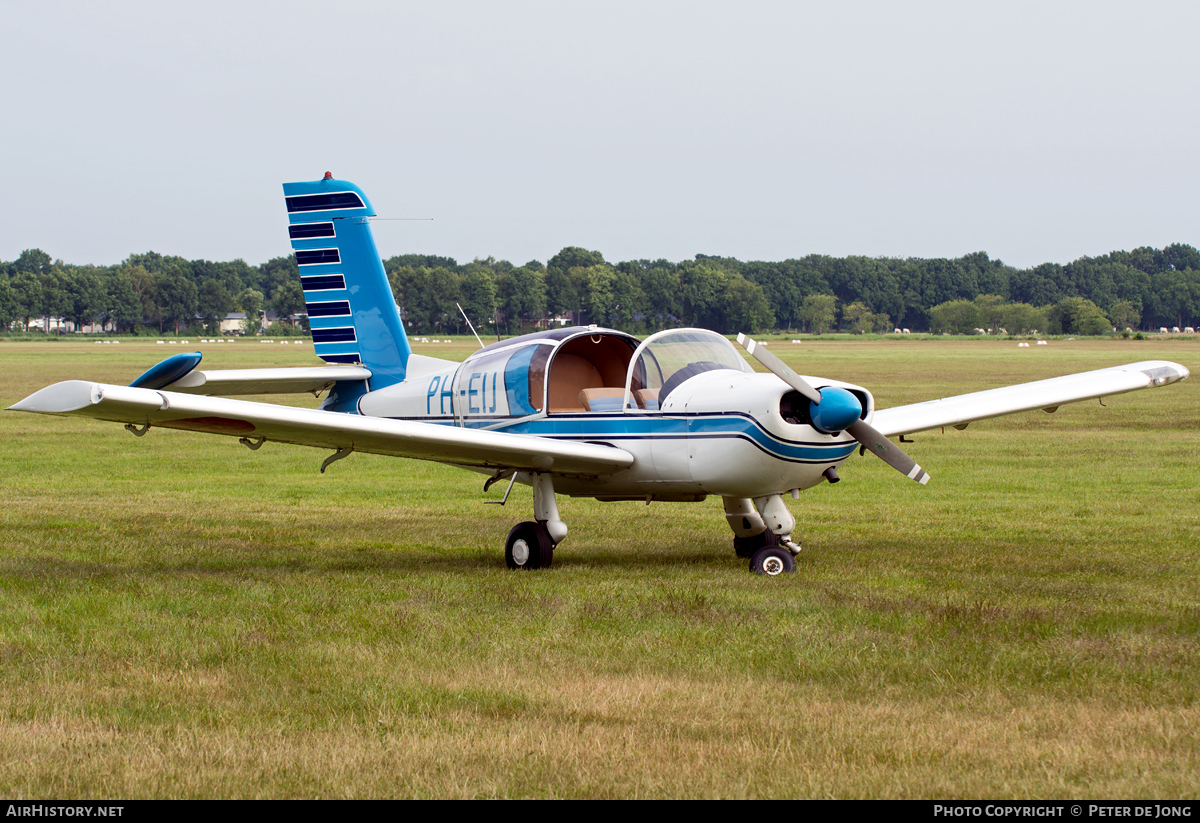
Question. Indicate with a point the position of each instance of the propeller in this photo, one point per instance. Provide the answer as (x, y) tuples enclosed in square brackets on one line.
[(887, 451), (841, 412), (779, 369)]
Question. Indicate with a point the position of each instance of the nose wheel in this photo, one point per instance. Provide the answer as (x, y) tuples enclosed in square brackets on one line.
[(529, 546), (772, 561)]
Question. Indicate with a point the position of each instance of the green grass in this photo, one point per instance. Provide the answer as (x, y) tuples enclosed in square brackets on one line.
[(182, 617)]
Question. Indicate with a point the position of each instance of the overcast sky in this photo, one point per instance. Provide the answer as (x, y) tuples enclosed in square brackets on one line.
[(1034, 131)]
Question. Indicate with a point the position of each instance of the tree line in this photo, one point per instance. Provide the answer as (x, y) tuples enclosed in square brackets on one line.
[(150, 292)]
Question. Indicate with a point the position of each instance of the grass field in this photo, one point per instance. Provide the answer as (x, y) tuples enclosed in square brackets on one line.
[(182, 617)]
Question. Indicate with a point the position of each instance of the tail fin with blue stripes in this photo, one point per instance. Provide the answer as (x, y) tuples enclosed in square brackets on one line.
[(351, 309)]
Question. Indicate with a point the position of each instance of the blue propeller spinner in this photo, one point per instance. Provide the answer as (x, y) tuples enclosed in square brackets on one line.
[(838, 410)]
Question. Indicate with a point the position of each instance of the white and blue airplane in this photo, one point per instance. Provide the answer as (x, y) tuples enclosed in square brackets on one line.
[(582, 411)]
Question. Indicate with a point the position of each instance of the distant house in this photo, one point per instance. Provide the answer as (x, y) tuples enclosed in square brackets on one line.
[(295, 320), (232, 324), (61, 325)]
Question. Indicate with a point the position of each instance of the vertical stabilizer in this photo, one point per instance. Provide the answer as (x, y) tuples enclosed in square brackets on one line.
[(351, 310)]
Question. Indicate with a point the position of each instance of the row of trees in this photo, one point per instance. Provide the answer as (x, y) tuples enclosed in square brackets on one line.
[(994, 314), (577, 283), (815, 293), (1151, 287), (145, 291)]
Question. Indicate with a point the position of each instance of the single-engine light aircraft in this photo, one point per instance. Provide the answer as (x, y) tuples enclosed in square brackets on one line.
[(582, 411)]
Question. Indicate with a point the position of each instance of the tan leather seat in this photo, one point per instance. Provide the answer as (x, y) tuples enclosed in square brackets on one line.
[(605, 399), (646, 398), (571, 374)]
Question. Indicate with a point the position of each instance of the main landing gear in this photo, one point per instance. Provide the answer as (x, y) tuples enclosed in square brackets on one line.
[(530, 545), (762, 531)]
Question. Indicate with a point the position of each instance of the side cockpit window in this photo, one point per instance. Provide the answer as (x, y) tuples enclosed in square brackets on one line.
[(525, 379)]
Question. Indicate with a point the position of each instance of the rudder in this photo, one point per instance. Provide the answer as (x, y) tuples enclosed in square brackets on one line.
[(351, 309)]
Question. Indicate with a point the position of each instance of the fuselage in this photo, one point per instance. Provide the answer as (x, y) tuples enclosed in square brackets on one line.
[(697, 420)]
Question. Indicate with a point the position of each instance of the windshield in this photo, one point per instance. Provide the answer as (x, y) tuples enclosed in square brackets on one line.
[(666, 359)]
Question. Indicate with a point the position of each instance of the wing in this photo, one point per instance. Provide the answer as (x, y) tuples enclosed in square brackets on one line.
[(1042, 394), (324, 429)]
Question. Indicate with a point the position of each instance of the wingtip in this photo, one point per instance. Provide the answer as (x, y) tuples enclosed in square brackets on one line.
[(60, 398)]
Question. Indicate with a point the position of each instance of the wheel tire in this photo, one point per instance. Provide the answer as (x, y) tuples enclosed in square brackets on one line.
[(528, 547), (772, 561), (746, 547)]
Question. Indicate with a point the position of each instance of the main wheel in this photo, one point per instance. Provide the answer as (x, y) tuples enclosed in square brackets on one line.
[(772, 561), (746, 547), (528, 546)]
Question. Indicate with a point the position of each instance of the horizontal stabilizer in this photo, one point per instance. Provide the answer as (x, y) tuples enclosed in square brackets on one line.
[(291, 380), (168, 371), (324, 429), (229, 382), (1041, 394)]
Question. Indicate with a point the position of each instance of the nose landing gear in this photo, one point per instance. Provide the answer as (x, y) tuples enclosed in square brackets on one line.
[(762, 530)]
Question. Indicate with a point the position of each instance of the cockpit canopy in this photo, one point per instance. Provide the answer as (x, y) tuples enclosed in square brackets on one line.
[(587, 369), (573, 369), (664, 360)]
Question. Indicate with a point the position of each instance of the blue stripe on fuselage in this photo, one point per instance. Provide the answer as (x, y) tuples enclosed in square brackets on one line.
[(617, 427)]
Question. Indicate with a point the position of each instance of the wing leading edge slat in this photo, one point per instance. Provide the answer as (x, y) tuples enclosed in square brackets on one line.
[(1041, 394), (327, 430)]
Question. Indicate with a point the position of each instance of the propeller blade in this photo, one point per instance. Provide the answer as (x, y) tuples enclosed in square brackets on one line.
[(779, 368), (869, 437), (887, 451)]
